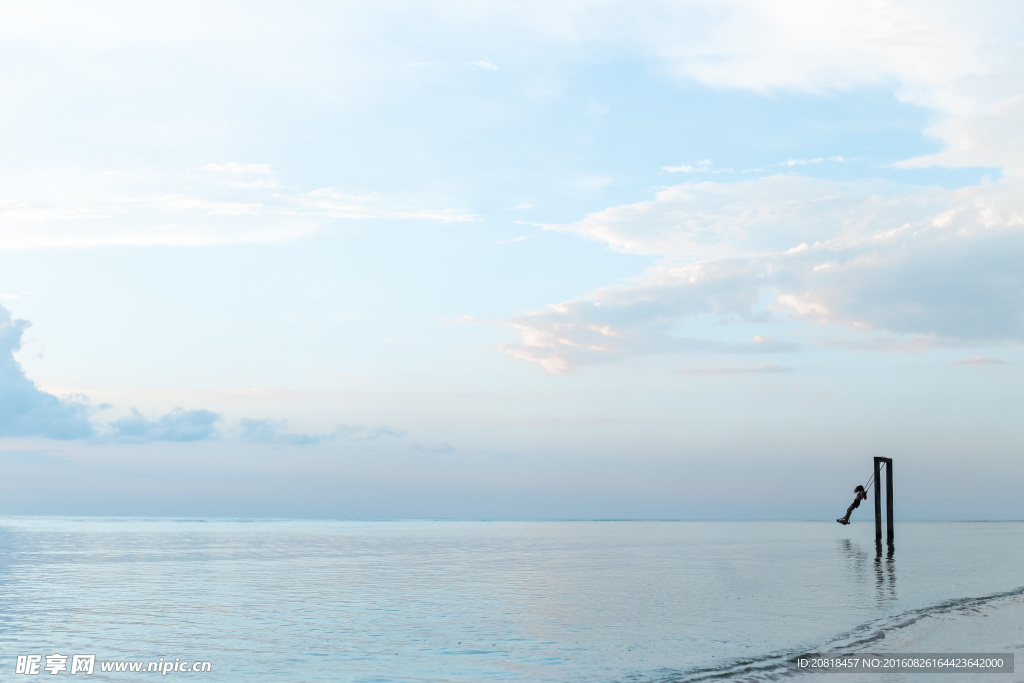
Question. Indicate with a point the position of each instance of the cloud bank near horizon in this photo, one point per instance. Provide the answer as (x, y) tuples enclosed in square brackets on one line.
[(27, 410)]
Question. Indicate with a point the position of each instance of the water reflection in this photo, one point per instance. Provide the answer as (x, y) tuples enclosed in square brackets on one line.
[(857, 560), (854, 554), (885, 572)]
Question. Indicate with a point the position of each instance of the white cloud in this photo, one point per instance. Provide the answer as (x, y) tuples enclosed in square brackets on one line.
[(813, 47), (99, 209), (652, 316), (991, 137), (965, 62), (921, 267), (706, 220)]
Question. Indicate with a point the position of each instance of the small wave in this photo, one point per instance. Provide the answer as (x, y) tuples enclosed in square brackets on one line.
[(772, 666)]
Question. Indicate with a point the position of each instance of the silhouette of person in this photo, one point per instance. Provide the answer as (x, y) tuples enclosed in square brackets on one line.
[(861, 495)]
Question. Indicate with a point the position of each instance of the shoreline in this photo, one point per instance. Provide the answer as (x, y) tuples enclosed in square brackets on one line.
[(983, 625), (994, 626)]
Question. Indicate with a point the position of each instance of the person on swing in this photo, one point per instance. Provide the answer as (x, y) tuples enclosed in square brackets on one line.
[(861, 494)]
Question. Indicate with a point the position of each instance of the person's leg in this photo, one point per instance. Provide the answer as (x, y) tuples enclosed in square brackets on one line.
[(846, 518)]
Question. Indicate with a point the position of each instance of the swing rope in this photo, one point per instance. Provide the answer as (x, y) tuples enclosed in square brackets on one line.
[(867, 486)]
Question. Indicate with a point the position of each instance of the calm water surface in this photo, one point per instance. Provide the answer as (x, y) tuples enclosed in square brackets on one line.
[(475, 601)]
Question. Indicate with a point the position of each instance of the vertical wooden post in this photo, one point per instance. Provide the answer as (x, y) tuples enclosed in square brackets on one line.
[(878, 501), (888, 500)]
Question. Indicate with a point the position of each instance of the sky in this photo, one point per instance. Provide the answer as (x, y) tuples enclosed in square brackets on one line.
[(522, 260)]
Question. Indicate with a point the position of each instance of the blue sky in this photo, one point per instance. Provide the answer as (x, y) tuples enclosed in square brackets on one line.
[(581, 259)]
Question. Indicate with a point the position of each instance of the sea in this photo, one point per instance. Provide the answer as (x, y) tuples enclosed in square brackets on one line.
[(472, 601)]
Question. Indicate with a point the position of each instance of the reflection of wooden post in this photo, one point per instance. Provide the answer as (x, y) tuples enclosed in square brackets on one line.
[(878, 502), (888, 500)]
